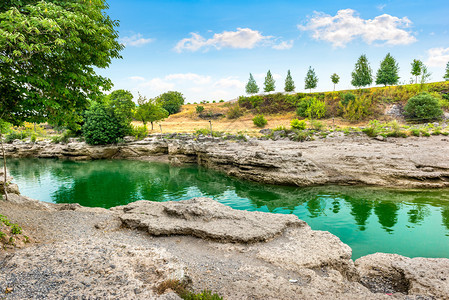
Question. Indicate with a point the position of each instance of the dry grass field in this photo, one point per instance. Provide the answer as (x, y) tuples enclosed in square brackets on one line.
[(187, 121)]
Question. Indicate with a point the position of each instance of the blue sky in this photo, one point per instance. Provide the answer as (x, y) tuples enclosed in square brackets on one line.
[(206, 49)]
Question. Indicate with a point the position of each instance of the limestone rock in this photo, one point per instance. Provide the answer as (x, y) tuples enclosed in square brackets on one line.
[(205, 218), (383, 272)]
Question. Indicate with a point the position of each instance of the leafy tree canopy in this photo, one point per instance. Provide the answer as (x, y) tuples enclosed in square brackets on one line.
[(48, 52), (388, 71), (417, 66), (269, 84), (149, 111), (289, 83), (251, 86), (362, 74), (170, 101), (311, 79), (335, 79), (121, 103)]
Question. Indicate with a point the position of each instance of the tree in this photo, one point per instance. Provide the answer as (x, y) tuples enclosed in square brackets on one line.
[(388, 71), (269, 84), (170, 101), (101, 126), (446, 75), (251, 86), (122, 106), (149, 111), (48, 52), (425, 74), (311, 79), (335, 79), (289, 83), (362, 74), (416, 68)]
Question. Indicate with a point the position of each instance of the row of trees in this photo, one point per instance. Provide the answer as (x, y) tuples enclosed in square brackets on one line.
[(387, 74)]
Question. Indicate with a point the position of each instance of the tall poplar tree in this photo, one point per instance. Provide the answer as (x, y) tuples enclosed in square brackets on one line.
[(335, 79), (251, 86), (388, 71), (289, 83), (269, 84), (311, 79), (417, 67), (362, 74)]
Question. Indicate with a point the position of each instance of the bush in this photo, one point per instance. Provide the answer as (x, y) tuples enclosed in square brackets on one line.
[(14, 135), (301, 135), (347, 98), (140, 132), (234, 112), (374, 129), (357, 109), (297, 124), (423, 107), (259, 121), (316, 125), (101, 127), (199, 109), (311, 107)]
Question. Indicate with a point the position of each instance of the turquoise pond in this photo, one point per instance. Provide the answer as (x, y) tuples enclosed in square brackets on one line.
[(410, 223)]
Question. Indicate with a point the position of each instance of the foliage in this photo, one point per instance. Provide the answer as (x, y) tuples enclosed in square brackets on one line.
[(260, 121), (347, 98), (301, 135), (149, 111), (181, 288), (206, 131), (101, 126), (289, 83), (425, 74), (251, 86), (297, 124), (316, 125), (269, 84), (396, 130), (416, 68), (446, 74), (362, 74), (357, 109), (171, 101), (199, 109), (64, 137), (312, 108), (423, 107), (139, 132), (122, 105), (234, 112), (373, 129), (335, 79), (388, 71), (311, 79), (49, 53)]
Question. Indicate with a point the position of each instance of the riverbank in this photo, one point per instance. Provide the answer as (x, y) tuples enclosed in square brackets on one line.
[(127, 252), (414, 162)]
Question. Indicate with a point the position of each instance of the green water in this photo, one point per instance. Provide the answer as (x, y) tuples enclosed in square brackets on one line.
[(410, 223)]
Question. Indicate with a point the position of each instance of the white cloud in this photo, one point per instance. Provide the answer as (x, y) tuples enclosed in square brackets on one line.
[(229, 83), (135, 40), (347, 25), (283, 45), (381, 6), (158, 85), (437, 57), (242, 38), (195, 78)]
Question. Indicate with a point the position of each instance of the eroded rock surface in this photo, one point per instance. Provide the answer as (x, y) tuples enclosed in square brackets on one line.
[(205, 218), (337, 159)]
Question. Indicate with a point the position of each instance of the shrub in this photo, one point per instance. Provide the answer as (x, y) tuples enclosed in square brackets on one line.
[(259, 121), (14, 135), (140, 132), (301, 135), (311, 107), (423, 107), (100, 126), (64, 137), (171, 101), (396, 130), (199, 109), (280, 128), (33, 138), (357, 109), (297, 124), (316, 125), (234, 112), (221, 101), (374, 129), (348, 97), (415, 132)]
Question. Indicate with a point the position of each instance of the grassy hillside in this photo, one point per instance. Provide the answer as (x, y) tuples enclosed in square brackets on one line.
[(348, 108)]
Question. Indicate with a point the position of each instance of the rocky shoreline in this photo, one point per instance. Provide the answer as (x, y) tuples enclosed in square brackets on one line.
[(414, 162), (128, 251)]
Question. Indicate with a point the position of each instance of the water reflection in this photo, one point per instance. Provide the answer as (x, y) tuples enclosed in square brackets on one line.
[(382, 219)]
